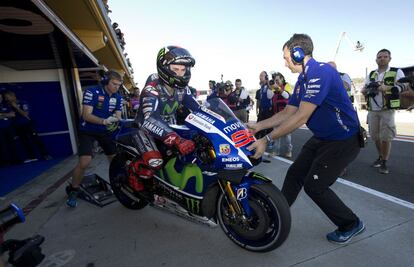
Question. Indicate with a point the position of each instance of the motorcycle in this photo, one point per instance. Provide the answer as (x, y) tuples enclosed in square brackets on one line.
[(212, 185)]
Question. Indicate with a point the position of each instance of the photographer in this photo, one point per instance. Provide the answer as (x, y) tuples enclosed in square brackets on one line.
[(382, 94)]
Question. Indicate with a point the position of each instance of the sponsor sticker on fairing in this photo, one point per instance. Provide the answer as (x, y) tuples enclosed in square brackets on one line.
[(233, 166), (224, 149)]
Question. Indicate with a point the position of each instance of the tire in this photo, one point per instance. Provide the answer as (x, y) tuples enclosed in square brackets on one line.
[(269, 225), (118, 178)]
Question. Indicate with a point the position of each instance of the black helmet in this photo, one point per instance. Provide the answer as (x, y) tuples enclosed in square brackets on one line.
[(174, 55)]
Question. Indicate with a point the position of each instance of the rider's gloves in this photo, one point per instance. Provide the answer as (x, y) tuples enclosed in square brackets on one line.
[(183, 145), (110, 120)]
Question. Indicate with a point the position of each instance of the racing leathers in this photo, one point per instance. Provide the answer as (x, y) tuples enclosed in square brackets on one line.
[(157, 110)]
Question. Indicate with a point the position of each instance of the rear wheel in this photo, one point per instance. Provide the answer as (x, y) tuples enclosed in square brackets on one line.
[(118, 177), (267, 227)]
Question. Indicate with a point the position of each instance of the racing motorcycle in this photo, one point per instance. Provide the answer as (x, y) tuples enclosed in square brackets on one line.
[(212, 185)]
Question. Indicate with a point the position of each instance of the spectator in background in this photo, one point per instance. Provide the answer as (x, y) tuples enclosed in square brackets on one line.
[(134, 103), (8, 150), (265, 106), (101, 108), (225, 91), (346, 80), (213, 90), (257, 97), (283, 145), (25, 128), (242, 99), (381, 116)]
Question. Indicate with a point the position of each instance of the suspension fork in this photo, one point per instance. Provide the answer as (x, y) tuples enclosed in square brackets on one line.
[(230, 197)]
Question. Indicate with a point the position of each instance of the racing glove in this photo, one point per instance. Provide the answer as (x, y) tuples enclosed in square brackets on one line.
[(110, 120), (184, 146)]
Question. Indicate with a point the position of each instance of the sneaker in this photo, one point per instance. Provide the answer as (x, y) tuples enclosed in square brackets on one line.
[(339, 237), (377, 163), (383, 168), (72, 200), (288, 155)]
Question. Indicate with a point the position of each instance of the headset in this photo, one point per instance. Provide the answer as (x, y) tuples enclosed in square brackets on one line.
[(105, 78), (297, 55)]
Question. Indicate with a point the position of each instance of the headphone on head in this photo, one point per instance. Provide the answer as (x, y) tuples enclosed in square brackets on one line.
[(297, 55), (104, 78)]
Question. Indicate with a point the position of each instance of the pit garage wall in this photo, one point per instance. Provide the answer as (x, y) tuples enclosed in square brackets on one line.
[(45, 92)]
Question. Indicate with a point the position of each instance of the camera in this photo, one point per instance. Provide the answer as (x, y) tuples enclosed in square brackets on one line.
[(372, 89), (22, 253)]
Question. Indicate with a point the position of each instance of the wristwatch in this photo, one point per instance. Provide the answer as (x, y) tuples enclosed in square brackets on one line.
[(268, 138)]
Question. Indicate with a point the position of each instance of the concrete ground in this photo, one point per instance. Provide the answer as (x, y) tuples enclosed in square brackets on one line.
[(115, 236)]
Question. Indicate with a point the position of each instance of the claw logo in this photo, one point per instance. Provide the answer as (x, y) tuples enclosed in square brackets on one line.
[(193, 205)]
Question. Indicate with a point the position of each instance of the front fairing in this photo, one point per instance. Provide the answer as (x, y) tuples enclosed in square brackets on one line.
[(228, 135)]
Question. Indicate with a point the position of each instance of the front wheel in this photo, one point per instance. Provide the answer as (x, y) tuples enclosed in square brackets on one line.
[(118, 177), (267, 227)]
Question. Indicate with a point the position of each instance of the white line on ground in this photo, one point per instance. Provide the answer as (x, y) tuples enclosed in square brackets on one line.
[(362, 188)]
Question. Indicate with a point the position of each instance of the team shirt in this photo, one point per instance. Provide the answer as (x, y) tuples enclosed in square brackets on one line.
[(334, 118), (103, 105)]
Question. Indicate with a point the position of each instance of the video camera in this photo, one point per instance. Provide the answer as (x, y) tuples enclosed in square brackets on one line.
[(22, 253)]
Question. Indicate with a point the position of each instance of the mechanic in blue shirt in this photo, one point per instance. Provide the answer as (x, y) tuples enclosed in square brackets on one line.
[(101, 109), (320, 101), (8, 150), (25, 127)]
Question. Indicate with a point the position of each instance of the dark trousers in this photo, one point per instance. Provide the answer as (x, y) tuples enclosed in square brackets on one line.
[(8, 148), (30, 139), (316, 168)]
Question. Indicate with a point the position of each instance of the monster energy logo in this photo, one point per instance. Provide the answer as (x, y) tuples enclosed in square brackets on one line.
[(168, 109), (260, 177), (181, 179), (193, 205), (161, 53)]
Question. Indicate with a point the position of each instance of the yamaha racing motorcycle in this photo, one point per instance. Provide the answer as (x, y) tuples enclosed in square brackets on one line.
[(212, 185)]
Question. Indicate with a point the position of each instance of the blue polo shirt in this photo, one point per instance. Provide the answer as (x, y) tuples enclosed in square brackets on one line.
[(103, 105), (334, 118), (5, 122), (20, 119)]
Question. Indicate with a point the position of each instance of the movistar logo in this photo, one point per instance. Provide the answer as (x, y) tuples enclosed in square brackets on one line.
[(181, 179), (168, 109)]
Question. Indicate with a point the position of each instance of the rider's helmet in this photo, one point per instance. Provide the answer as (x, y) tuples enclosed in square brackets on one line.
[(174, 55)]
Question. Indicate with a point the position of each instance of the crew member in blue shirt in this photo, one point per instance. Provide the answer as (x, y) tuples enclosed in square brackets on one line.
[(25, 127), (8, 150), (320, 101), (101, 109)]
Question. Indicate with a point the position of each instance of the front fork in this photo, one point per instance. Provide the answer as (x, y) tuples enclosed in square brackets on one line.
[(236, 198)]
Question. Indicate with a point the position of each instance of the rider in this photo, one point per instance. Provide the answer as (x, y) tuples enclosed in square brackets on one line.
[(164, 92)]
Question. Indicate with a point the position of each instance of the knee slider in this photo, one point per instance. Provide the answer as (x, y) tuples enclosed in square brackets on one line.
[(153, 159)]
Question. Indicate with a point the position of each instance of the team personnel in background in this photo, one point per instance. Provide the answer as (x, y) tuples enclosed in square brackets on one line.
[(25, 128), (380, 90), (242, 100), (8, 150), (346, 80), (320, 101), (264, 102), (101, 109)]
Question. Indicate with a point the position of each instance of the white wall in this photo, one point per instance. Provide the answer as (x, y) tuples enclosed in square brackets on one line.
[(8, 75)]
